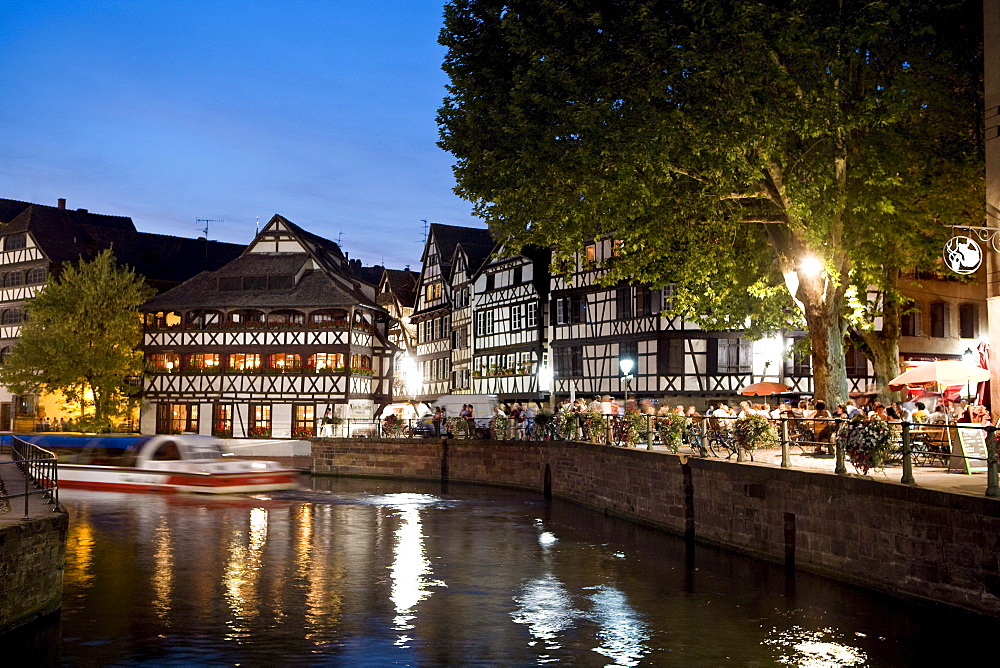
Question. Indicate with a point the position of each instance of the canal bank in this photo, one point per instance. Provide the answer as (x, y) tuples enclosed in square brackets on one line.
[(32, 552), (907, 541)]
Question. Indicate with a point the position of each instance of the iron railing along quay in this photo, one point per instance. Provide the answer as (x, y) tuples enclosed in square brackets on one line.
[(911, 444), (35, 473)]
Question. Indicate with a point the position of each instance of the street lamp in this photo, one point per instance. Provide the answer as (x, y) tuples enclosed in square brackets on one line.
[(968, 357), (626, 365)]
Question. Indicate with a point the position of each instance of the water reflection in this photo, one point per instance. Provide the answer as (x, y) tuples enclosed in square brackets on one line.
[(813, 649), (376, 573), (242, 572), (622, 633), (410, 564)]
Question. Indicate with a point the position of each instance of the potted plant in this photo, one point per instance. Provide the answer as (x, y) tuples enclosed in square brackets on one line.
[(753, 432), (867, 443), (671, 428)]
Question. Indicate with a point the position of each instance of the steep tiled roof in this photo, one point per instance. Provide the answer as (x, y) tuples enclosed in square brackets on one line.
[(477, 244), (404, 285), (331, 284), (66, 236), (315, 290)]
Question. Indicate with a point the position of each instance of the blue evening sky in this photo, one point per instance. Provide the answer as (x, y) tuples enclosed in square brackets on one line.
[(169, 111)]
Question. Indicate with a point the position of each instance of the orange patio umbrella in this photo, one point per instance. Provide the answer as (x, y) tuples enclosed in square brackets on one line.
[(764, 388), (944, 373)]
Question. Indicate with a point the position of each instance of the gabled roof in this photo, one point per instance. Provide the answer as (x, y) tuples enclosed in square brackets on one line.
[(477, 244), (403, 284), (314, 290), (327, 279), (66, 236)]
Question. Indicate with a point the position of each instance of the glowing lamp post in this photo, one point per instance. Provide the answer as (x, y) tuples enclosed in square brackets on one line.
[(626, 366)]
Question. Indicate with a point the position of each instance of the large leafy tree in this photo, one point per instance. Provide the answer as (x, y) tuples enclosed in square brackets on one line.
[(738, 147), (80, 339)]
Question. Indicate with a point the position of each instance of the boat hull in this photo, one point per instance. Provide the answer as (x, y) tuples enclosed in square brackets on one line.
[(112, 478)]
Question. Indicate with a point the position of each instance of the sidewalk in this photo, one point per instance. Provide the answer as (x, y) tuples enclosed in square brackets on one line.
[(12, 482), (929, 477)]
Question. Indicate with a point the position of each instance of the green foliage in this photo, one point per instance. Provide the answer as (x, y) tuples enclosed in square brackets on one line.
[(720, 143), (868, 443), (671, 428), (755, 432), (79, 339)]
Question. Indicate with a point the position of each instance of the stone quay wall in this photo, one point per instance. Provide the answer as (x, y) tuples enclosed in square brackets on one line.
[(32, 560), (902, 540)]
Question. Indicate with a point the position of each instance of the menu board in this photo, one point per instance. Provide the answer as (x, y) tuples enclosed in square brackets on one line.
[(968, 449)]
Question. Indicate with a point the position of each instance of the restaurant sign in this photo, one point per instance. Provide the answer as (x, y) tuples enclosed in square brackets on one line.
[(962, 255)]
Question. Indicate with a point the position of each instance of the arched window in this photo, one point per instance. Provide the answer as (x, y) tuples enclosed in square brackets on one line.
[(286, 318), (15, 241), (36, 276), (12, 316), (5, 353), (13, 279), (201, 319), (333, 317), (245, 318)]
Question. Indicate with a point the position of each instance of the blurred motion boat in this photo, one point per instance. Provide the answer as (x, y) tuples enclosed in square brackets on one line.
[(168, 463)]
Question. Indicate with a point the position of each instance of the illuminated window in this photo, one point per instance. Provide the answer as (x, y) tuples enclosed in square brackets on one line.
[(165, 362), (203, 362), (244, 362), (590, 252), (433, 291), (320, 361), (303, 420), (260, 420), (222, 421), (284, 361)]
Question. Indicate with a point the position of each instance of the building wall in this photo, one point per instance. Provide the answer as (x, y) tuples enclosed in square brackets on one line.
[(903, 540), (991, 84)]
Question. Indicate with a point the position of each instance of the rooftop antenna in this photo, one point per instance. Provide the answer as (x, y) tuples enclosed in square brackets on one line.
[(424, 221), (256, 229), (340, 235), (204, 230), (206, 222)]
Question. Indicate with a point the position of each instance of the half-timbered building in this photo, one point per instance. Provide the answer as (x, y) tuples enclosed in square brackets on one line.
[(511, 295), (36, 240), (443, 309), (593, 327), (262, 346)]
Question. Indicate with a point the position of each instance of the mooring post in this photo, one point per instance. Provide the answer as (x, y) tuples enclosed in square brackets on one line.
[(907, 478)]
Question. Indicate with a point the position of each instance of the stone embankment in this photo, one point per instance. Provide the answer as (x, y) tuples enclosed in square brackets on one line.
[(32, 554), (903, 540)]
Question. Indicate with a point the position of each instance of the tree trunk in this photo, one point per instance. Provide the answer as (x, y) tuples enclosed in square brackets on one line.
[(826, 334), (885, 360), (882, 347)]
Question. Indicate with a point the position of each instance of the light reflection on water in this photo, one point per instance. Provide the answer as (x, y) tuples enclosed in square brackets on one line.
[(375, 573)]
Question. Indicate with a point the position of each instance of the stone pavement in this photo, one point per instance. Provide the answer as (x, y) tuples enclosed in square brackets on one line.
[(12, 482), (929, 477)]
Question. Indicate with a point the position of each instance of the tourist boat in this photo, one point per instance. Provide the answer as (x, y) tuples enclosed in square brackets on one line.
[(175, 463)]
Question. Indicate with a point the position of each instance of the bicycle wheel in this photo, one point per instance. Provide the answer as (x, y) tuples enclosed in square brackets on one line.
[(715, 446)]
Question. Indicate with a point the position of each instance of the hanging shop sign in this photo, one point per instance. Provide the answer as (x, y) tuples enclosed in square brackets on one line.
[(963, 255)]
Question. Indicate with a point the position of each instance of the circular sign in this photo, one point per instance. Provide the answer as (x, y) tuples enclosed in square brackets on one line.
[(962, 255)]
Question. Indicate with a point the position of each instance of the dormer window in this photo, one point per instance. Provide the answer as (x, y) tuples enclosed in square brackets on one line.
[(15, 241), (433, 291)]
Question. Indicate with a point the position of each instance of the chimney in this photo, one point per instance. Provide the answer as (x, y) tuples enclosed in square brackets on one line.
[(62, 203), (82, 210)]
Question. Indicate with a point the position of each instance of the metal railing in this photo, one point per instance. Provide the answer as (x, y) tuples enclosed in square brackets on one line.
[(967, 447), (36, 473)]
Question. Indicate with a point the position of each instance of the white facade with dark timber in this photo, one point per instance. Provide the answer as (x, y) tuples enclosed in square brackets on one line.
[(263, 345), (509, 326), (592, 327), (452, 256)]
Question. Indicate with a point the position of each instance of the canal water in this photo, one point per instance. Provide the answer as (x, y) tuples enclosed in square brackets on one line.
[(374, 573)]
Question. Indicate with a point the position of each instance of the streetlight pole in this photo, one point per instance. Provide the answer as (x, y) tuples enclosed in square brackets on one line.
[(626, 365)]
